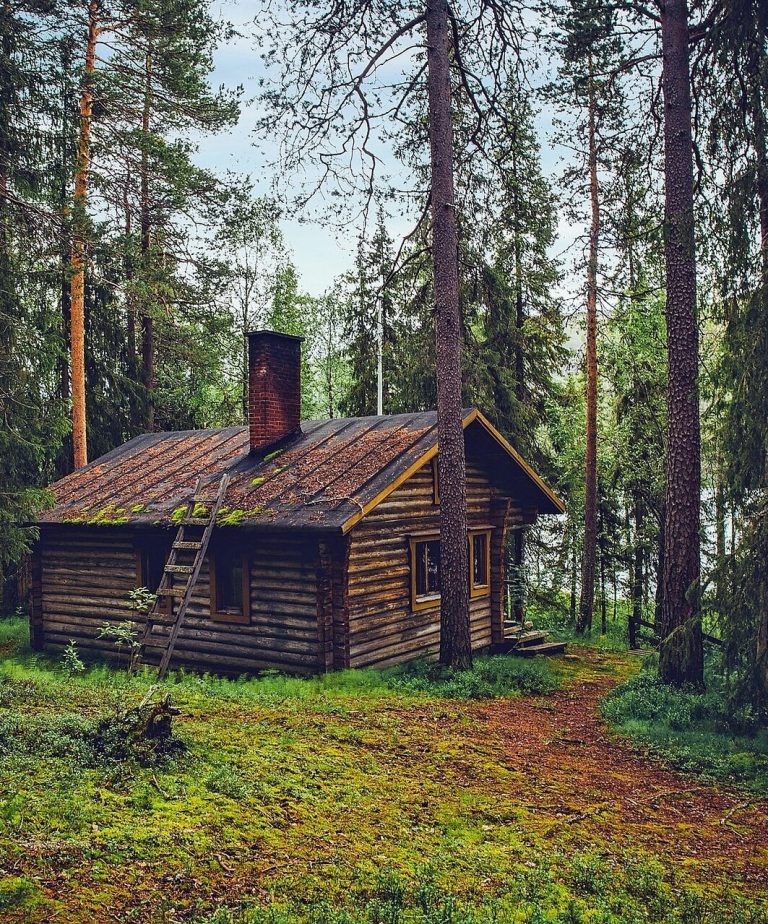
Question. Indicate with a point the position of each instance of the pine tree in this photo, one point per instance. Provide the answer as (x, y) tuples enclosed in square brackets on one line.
[(590, 48), (370, 318), (33, 419), (732, 65), (682, 658)]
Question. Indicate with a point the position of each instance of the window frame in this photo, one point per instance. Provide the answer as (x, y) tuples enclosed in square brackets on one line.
[(479, 590), (426, 601), (476, 591), (214, 566)]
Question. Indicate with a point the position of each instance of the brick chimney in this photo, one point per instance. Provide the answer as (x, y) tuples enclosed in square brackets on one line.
[(274, 387)]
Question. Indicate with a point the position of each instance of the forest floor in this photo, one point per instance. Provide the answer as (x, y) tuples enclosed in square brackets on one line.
[(523, 808)]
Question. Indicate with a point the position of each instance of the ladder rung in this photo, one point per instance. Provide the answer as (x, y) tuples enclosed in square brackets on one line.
[(169, 620)]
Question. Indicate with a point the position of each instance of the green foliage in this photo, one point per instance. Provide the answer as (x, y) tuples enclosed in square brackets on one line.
[(333, 790), (18, 892), (588, 889), (227, 782), (71, 662), (488, 678), (141, 599), (559, 624), (703, 733), (124, 635)]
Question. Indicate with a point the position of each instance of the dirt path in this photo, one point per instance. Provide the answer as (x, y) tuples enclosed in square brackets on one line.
[(589, 788)]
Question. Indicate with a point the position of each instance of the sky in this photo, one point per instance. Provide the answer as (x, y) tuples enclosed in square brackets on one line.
[(320, 252)]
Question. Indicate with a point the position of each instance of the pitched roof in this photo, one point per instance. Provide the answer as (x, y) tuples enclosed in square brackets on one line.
[(327, 477)]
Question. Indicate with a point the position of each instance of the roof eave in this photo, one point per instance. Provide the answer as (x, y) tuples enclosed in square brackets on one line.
[(251, 526), (473, 415)]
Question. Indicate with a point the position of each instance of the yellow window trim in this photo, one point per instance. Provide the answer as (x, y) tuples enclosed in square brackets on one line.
[(432, 601), (479, 590)]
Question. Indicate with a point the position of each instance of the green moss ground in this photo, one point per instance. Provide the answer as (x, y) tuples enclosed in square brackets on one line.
[(294, 795)]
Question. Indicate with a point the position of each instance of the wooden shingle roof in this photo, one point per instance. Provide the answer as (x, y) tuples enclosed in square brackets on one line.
[(327, 477)]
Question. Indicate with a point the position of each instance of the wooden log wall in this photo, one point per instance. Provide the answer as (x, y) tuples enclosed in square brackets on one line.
[(382, 628), (86, 575)]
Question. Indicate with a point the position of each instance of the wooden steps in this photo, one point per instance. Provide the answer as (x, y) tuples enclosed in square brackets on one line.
[(527, 643)]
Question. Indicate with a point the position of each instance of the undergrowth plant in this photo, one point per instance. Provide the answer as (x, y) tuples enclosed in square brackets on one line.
[(71, 662), (698, 731), (125, 637)]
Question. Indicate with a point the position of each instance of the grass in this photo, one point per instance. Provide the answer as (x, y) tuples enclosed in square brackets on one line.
[(292, 795), (694, 731), (581, 890)]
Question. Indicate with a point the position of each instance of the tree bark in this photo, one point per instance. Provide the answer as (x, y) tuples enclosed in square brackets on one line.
[(455, 642), (586, 607), (659, 591), (77, 259), (682, 658)]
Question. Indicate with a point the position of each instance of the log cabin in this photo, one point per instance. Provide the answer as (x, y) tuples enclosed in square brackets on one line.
[(325, 551)]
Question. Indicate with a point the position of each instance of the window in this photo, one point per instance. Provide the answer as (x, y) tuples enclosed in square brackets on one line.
[(435, 481), (480, 563), (425, 567), (151, 556), (230, 586), (425, 572)]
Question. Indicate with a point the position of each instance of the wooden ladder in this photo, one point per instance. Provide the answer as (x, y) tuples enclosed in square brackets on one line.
[(184, 561)]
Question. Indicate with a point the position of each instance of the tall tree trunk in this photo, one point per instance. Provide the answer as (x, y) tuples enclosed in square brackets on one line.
[(586, 606), (603, 603), (574, 574), (455, 642), (682, 657), (519, 534), (147, 319), (245, 396), (77, 258), (64, 458), (659, 592), (637, 571), (130, 273), (759, 80)]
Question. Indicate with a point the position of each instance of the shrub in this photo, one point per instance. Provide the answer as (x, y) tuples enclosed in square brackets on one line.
[(89, 742), (700, 732)]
